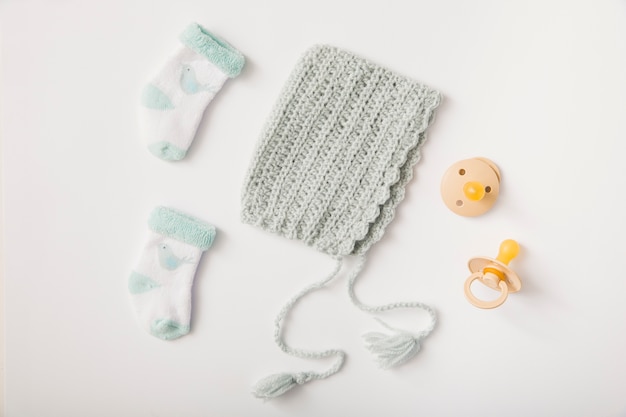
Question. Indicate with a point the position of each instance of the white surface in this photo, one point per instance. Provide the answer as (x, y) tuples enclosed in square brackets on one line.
[(537, 86)]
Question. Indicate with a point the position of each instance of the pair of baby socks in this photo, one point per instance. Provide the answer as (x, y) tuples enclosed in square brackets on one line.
[(172, 105)]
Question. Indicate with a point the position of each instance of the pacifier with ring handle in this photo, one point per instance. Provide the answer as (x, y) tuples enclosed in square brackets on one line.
[(495, 274)]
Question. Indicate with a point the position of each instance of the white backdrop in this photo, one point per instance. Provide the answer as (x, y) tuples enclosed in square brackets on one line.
[(537, 86)]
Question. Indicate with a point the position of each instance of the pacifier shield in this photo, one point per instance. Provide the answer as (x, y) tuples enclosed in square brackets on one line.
[(470, 187)]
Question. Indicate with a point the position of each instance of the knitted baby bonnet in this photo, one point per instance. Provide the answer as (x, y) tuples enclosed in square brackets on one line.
[(329, 170)]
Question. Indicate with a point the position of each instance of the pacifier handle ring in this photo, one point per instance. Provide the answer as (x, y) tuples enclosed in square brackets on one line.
[(485, 304)]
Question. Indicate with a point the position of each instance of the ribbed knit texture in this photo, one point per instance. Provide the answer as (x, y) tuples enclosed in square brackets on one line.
[(337, 152)]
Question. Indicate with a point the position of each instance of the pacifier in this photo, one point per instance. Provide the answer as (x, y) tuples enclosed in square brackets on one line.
[(471, 187), (495, 274)]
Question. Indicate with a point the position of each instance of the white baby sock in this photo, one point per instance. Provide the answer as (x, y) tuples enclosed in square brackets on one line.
[(160, 284), (174, 101)]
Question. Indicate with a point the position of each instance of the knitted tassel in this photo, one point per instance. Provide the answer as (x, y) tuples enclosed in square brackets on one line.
[(277, 384), (392, 350), (397, 348)]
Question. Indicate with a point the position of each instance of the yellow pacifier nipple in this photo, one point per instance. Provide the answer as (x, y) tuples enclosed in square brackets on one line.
[(474, 190), (509, 249)]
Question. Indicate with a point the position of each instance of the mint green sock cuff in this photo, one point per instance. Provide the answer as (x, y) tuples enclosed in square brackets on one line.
[(216, 50), (180, 226)]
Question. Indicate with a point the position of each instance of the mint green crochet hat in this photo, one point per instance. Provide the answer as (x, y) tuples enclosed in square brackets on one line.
[(331, 167)]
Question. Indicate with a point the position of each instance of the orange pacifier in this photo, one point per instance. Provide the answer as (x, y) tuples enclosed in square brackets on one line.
[(495, 274), (471, 187)]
